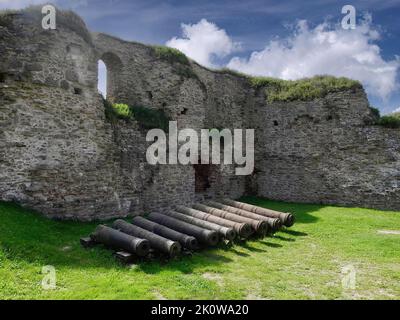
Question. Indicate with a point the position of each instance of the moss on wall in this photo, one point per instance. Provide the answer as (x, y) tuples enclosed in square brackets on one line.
[(146, 117), (390, 121), (303, 89), (170, 54)]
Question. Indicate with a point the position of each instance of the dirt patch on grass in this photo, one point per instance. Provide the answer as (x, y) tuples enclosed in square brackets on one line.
[(253, 296), (396, 232), (214, 277), (158, 295)]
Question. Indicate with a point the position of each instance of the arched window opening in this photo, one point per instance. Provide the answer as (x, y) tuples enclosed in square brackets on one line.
[(109, 75), (102, 78)]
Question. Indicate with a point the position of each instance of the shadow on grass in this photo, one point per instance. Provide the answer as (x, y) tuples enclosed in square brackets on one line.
[(28, 237), (184, 264), (271, 244), (245, 245), (276, 236), (294, 233), (239, 253)]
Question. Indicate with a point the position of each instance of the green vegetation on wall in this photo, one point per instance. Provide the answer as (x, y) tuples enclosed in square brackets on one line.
[(276, 89), (122, 111), (180, 61), (375, 112), (390, 121), (150, 118), (303, 89), (170, 54), (146, 117), (109, 111)]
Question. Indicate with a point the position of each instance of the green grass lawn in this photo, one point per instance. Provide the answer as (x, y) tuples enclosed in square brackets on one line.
[(303, 262)]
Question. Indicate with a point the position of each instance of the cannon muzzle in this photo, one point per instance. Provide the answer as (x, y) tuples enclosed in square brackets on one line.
[(227, 233), (287, 219), (162, 244), (119, 240), (244, 230), (205, 236), (259, 226), (185, 240), (274, 223)]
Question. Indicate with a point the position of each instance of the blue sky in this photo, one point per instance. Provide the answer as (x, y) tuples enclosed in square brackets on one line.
[(241, 33)]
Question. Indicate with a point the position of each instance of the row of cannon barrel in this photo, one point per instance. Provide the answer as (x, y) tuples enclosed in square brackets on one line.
[(190, 228)]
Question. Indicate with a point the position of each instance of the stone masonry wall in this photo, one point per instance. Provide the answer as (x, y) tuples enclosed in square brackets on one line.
[(59, 154), (326, 151)]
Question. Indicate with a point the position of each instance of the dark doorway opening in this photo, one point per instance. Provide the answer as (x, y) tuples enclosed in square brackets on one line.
[(202, 177), (3, 77)]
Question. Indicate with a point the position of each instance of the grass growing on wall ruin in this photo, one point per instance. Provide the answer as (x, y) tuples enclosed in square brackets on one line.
[(171, 55), (303, 89), (390, 121), (303, 262), (277, 90), (146, 117)]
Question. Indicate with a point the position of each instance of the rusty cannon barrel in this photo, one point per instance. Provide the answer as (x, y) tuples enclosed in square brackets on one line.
[(274, 223), (185, 240), (261, 227), (172, 248), (227, 233), (119, 240), (286, 218), (209, 237), (244, 230)]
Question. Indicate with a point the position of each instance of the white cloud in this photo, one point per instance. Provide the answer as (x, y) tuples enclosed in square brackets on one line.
[(204, 42), (326, 49)]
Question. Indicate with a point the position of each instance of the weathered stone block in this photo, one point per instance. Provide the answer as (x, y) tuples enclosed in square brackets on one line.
[(34, 67), (71, 76)]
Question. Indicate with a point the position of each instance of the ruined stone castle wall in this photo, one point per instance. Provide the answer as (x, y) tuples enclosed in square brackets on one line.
[(60, 155), (58, 58), (327, 151), (194, 97)]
